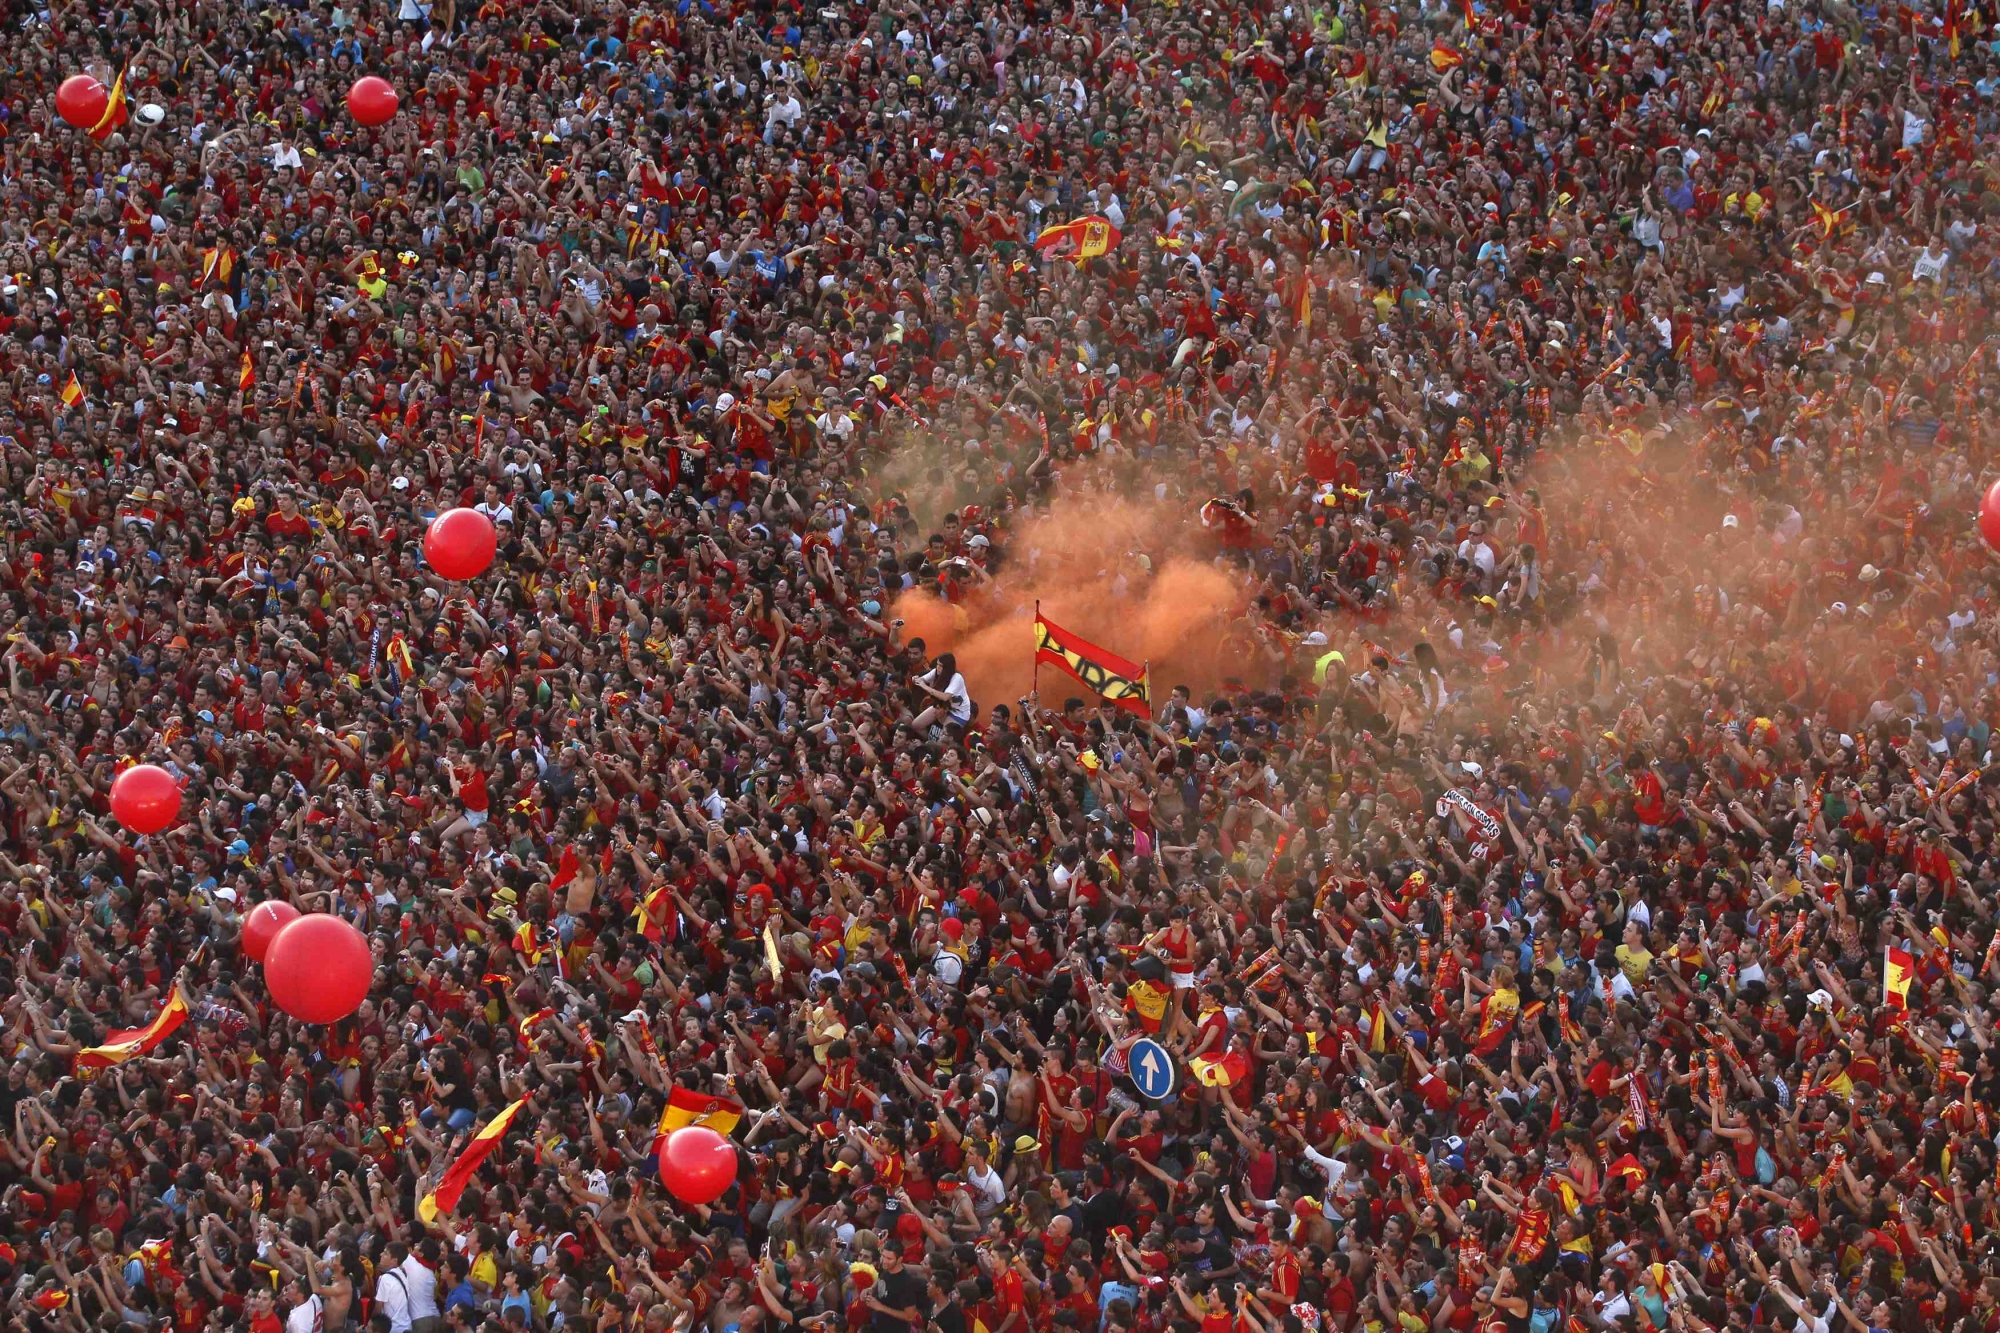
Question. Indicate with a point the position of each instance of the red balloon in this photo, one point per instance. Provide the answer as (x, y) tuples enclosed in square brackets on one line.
[(697, 1165), (81, 101), (146, 799), (1989, 516), (319, 968), (263, 923), (371, 101), (459, 543)]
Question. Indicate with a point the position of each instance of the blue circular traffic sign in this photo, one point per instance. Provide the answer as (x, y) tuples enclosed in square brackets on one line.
[(1152, 1069)]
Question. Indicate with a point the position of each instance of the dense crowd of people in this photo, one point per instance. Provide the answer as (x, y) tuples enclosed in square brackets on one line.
[(1563, 879)]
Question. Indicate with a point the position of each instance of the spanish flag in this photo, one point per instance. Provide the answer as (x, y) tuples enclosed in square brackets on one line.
[(1305, 308), (445, 1197), (1120, 683), (1445, 57), (1497, 1013), (1083, 239), (1899, 969), (114, 111), (1826, 217), (119, 1047), (687, 1107), (1225, 1071), (72, 392), (246, 373), (217, 263), (1629, 1169)]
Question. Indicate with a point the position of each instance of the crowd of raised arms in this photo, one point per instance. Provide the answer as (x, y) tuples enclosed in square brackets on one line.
[(1557, 868)]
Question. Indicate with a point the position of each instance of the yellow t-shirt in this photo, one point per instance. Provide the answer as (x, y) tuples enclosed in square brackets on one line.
[(1634, 962)]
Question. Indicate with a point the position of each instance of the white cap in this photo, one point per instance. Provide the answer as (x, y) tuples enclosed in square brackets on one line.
[(724, 402)]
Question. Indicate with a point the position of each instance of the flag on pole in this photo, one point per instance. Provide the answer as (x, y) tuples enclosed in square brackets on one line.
[(72, 392), (246, 373), (1899, 969), (1444, 56), (1119, 682), (445, 1197), (119, 1047)]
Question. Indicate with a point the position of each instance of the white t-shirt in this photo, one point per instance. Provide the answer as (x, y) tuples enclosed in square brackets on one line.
[(305, 1316), (988, 1191), (961, 697)]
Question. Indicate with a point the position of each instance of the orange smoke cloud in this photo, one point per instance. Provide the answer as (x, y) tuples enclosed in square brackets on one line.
[(1086, 564)]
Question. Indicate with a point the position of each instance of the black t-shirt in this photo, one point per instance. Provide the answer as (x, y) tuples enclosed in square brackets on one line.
[(901, 1291), (951, 1319)]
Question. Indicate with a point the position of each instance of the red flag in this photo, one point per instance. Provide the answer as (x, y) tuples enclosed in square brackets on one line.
[(1120, 683)]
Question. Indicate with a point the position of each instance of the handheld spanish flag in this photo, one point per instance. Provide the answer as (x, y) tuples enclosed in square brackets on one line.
[(72, 392), (246, 373), (687, 1107), (1225, 1071), (1497, 1013), (1628, 1169), (114, 111), (1899, 969), (1119, 682), (1082, 239), (445, 1197), (119, 1047), (1444, 56)]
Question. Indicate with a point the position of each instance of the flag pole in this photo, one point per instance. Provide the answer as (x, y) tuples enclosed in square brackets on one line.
[(1036, 687)]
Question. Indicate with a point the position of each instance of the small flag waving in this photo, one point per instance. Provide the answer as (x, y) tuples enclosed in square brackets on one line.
[(72, 392), (1119, 682), (445, 1197), (114, 111), (1899, 969), (246, 373), (119, 1047), (1444, 56)]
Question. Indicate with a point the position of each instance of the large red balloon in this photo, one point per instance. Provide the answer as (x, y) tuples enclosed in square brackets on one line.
[(81, 100), (371, 101), (145, 798), (319, 968), (459, 543), (697, 1165), (1989, 516), (263, 923)]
